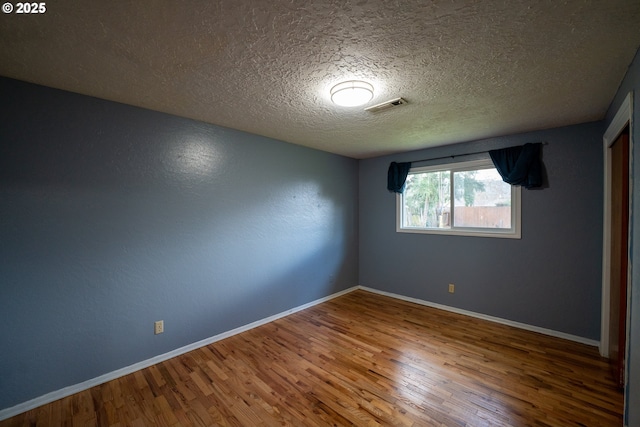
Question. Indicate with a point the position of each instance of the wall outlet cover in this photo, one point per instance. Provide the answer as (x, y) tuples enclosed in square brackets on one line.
[(158, 327)]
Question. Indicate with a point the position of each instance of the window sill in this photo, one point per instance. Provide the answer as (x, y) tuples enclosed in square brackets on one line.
[(507, 234)]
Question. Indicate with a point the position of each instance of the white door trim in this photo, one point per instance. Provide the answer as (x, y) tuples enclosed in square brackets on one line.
[(619, 122)]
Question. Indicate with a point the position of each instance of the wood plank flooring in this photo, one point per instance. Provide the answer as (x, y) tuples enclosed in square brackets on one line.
[(364, 360)]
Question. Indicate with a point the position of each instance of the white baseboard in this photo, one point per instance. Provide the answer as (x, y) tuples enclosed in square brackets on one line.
[(68, 391), (519, 325)]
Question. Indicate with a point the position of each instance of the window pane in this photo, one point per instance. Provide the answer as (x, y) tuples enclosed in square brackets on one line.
[(482, 199), (476, 203), (426, 200)]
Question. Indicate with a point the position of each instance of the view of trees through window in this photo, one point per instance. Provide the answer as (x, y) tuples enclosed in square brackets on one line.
[(480, 200)]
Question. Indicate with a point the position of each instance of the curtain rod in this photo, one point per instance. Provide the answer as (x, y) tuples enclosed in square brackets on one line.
[(466, 154)]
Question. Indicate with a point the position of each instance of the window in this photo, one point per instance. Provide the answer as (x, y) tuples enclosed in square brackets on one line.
[(466, 198)]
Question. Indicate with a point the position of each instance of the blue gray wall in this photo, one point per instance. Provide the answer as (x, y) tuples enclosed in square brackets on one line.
[(112, 217), (551, 278), (631, 83)]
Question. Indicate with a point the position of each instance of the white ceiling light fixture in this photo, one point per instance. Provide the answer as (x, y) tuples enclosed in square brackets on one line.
[(351, 93)]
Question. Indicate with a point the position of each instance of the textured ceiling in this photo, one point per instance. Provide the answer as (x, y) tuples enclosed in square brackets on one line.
[(469, 69)]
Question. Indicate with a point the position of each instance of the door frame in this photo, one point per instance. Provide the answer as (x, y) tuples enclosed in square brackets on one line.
[(621, 120)]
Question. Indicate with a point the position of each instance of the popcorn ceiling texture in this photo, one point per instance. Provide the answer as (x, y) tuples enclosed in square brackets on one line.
[(469, 69)]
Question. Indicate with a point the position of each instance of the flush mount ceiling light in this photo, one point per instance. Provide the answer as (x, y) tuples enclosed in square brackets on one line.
[(351, 93)]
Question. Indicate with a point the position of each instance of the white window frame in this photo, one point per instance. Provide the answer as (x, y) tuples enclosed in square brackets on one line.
[(516, 206)]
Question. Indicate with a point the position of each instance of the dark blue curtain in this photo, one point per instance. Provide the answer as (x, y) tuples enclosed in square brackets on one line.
[(397, 176), (519, 165)]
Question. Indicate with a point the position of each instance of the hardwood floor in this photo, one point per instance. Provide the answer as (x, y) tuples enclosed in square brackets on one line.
[(361, 359)]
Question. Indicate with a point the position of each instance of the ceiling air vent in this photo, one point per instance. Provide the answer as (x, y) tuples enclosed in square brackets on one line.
[(386, 105)]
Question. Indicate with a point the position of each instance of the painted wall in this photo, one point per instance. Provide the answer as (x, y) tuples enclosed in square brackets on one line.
[(550, 278), (631, 83), (112, 217)]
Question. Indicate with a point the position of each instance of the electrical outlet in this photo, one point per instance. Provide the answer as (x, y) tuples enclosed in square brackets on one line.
[(452, 288), (158, 327)]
